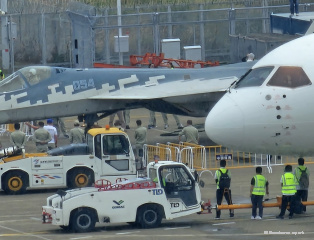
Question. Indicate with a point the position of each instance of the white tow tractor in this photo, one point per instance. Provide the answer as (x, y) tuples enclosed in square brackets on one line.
[(106, 154), (169, 191)]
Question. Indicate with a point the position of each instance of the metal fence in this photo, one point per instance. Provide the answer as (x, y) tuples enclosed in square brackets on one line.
[(207, 158), (49, 38)]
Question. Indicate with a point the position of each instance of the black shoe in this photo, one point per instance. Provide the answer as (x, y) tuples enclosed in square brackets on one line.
[(290, 217), (231, 215), (127, 127), (280, 217)]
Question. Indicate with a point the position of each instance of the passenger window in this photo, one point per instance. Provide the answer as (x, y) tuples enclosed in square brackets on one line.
[(254, 77), (289, 77)]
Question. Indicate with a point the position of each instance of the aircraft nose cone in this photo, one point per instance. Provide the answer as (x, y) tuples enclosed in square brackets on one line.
[(225, 123)]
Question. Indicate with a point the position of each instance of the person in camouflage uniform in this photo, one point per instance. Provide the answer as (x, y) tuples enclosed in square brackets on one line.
[(76, 134), (41, 138), (18, 138)]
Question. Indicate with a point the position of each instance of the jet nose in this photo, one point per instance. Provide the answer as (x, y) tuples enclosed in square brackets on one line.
[(225, 123)]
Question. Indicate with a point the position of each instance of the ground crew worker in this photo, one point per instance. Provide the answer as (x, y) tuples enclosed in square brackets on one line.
[(259, 186), (53, 133), (303, 185), (152, 120), (155, 177), (140, 140), (223, 191), (120, 116), (76, 134), (176, 118), (155, 180), (18, 138), (117, 124), (1, 74), (126, 113), (58, 123), (190, 133), (288, 189), (41, 138)]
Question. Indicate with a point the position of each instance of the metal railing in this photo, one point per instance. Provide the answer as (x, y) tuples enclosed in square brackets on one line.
[(206, 158)]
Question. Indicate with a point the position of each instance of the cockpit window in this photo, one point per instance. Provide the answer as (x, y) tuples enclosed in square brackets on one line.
[(289, 77), (254, 77), (36, 74), (25, 77)]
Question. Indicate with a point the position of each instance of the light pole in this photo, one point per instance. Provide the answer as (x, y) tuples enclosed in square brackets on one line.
[(120, 31), (5, 36)]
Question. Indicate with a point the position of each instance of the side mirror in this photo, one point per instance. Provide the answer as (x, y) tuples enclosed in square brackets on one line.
[(201, 183)]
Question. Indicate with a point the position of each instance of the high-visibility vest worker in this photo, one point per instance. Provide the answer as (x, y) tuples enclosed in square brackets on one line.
[(1, 74), (218, 175), (289, 184), (163, 181), (260, 185)]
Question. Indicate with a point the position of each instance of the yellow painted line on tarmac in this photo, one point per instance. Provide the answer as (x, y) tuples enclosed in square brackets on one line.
[(21, 234)]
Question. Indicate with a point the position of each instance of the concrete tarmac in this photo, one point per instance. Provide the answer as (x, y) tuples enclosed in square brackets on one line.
[(20, 215)]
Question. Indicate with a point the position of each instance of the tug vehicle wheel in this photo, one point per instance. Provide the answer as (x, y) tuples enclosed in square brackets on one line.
[(83, 220), (149, 216), (78, 178), (15, 182)]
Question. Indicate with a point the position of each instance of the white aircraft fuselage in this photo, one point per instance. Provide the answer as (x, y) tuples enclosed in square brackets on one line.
[(271, 109)]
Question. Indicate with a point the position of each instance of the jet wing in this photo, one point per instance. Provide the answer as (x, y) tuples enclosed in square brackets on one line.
[(210, 80), (193, 92), (170, 89)]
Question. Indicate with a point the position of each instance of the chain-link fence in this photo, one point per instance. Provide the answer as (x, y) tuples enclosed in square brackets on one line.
[(50, 38)]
